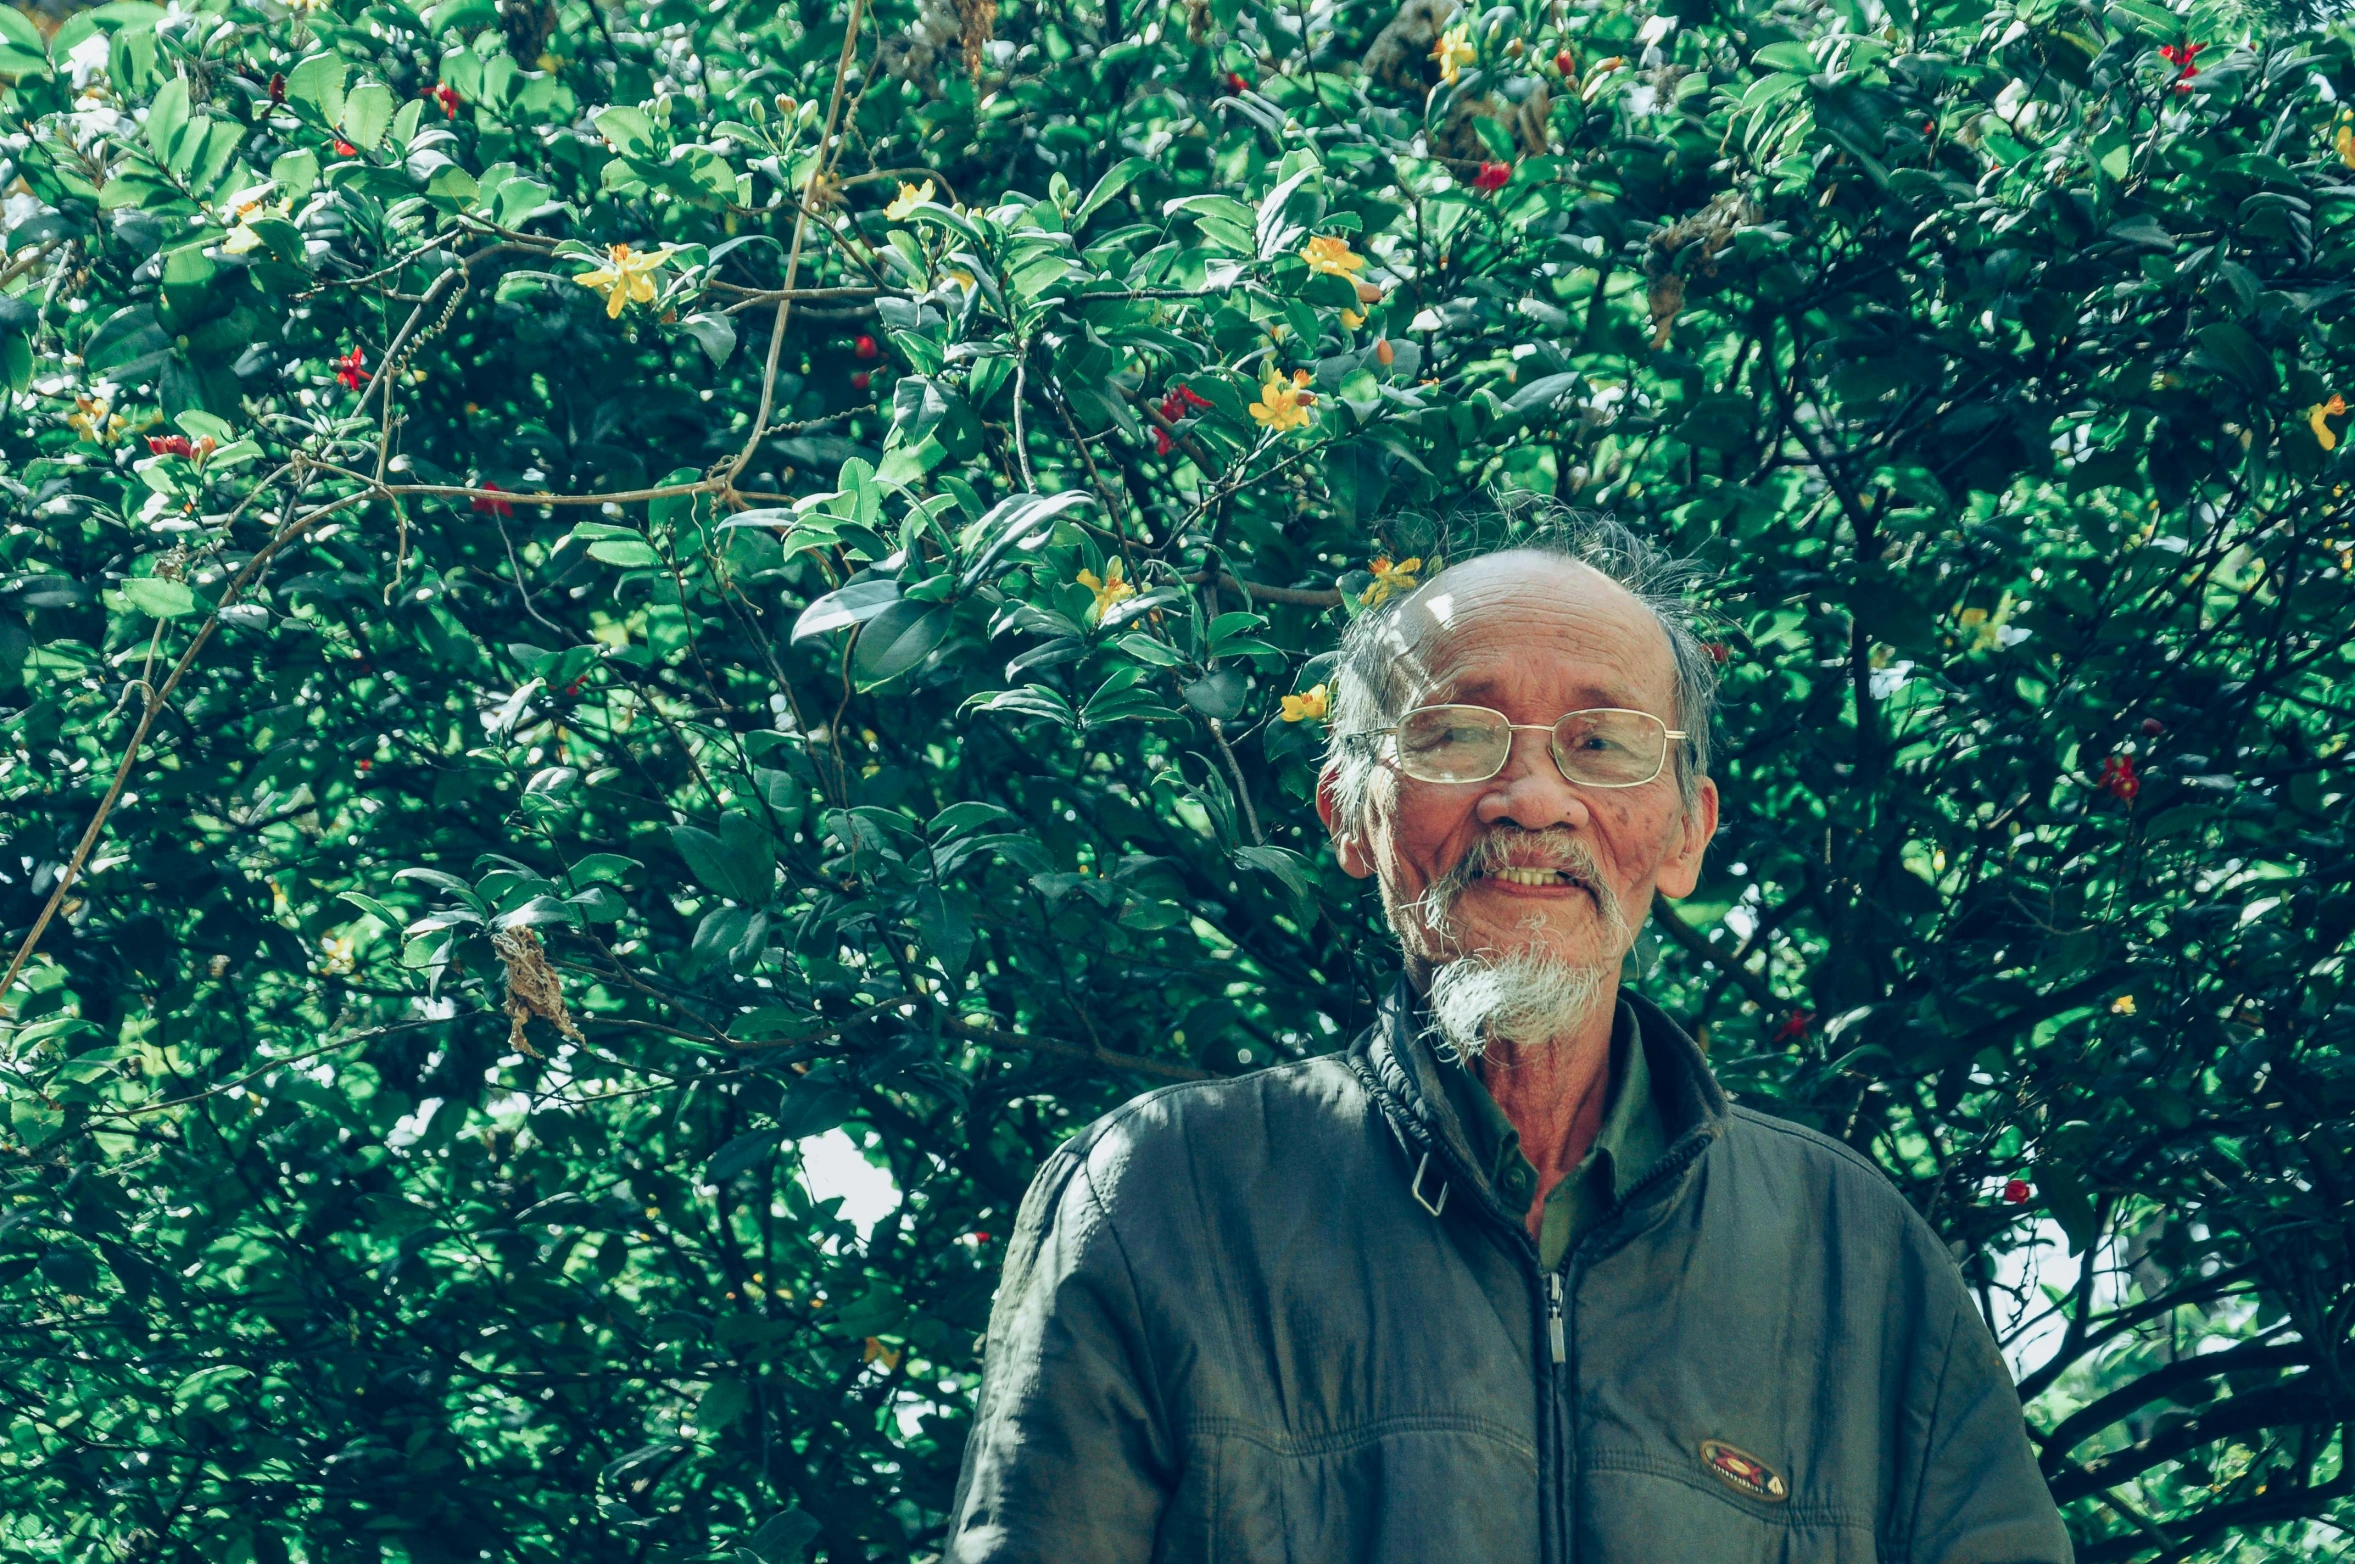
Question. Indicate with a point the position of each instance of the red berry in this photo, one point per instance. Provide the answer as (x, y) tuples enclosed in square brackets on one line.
[(364, 763), (2152, 727), (278, 88), (2016, 1192), (1564, 63), (864, 347), (860, 381)]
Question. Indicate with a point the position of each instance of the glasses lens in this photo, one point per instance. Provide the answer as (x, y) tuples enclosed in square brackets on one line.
[(1611, 748), (1452, 743)]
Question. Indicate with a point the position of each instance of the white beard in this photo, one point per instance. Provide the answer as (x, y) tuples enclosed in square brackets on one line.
[(1528, 997)]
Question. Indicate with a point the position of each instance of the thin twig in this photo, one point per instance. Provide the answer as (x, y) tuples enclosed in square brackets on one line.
[(827, 152)]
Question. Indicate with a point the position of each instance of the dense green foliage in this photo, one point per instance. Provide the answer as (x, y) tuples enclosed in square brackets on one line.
[(429, 609)]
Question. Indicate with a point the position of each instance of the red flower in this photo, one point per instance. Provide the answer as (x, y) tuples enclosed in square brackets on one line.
[(861, 380), (1796, 1027), (170, 445), (1176, 405), (344, 148), (2118, 779), (490, 507), (1717, 652), (1492, 176), (2016, 1192), (364, 763), (278, 88), (1162, 444), (2181, 54), (348, 371), (447, 97), (865, 347), (1236, 83)]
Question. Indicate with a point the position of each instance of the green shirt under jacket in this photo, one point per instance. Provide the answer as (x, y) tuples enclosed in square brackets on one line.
[(1630, 1143)]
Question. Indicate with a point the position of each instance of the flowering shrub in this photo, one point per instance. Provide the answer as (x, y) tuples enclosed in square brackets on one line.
[(600, 600)]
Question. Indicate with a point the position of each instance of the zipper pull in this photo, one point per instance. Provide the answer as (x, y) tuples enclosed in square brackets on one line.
[(1553, 1317)]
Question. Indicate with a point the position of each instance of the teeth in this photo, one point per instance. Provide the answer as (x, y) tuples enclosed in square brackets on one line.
[(1525, 876)]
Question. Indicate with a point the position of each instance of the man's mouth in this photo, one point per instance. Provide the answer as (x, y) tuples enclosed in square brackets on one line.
[(1531, 874)]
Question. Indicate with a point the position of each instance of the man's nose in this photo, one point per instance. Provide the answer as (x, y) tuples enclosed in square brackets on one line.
[(1531, 791)]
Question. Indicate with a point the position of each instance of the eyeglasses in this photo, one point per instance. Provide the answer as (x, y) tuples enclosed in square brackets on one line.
[(1605, 747)]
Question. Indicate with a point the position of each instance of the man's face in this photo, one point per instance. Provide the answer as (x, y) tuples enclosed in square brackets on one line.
[(1534, 637)]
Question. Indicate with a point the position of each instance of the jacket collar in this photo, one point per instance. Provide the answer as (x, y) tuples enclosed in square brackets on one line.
[(1400, 1070)]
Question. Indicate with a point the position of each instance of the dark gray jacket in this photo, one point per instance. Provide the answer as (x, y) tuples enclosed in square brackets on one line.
[(1282, 1318)]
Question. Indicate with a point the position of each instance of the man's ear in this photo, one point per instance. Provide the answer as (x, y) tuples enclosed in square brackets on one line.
[(1349, 846), (1680, 872)]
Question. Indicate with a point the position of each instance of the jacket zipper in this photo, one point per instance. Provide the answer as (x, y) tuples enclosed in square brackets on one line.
[(1553, 1317)]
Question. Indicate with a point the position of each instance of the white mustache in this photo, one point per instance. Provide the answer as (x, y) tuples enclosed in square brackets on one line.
[(1511, 847)]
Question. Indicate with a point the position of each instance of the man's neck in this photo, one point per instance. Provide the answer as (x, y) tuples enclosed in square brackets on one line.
[(1554, 1093)]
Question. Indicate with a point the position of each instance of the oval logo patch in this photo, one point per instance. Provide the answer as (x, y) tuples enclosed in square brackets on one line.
[(1743, 1472)]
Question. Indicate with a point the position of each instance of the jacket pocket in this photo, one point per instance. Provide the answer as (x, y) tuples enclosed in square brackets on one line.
[(1431, 1489), (1635, 1505)]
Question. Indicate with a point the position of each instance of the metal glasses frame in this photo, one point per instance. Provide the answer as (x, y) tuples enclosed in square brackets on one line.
[(1552, 728)]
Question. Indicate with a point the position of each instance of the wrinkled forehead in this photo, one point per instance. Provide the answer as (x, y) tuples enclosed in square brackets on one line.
[(1534, 630)]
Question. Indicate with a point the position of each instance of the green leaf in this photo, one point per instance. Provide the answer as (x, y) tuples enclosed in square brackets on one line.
[(167, 117), (1116, 179), (317, 84), (2230, 349), (722, 1403), (783, 1538), (839, 610), (159, 599), (743, 1152), (897, 640), (739, 862), (367, 115), (629, 130), (715, 334)]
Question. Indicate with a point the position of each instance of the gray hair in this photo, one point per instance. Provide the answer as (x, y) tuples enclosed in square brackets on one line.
[(1376, 672)]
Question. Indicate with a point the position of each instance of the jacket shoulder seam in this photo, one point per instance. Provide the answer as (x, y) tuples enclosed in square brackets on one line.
[(1084, 1141), (1816, 1138)]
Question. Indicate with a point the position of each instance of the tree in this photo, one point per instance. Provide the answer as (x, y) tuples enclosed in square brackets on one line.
[(593, 593)]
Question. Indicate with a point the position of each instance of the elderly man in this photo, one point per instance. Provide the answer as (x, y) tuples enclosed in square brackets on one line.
[(1510, 1280)]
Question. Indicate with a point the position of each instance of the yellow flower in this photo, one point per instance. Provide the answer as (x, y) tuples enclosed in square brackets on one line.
[(1389, 579), (95, 422), (1986, 630), (1454, 51), (1111, 589), (1333, 257), (2123, 1005), (623, 279), (1281, 407), (910, 197), (2344, 144), (1352, 319), (242, 238), (1314, 706), (2336, 407)]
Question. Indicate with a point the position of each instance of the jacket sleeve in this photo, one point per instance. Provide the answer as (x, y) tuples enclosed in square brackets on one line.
[(1069, 1460), (1981, 1499)]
